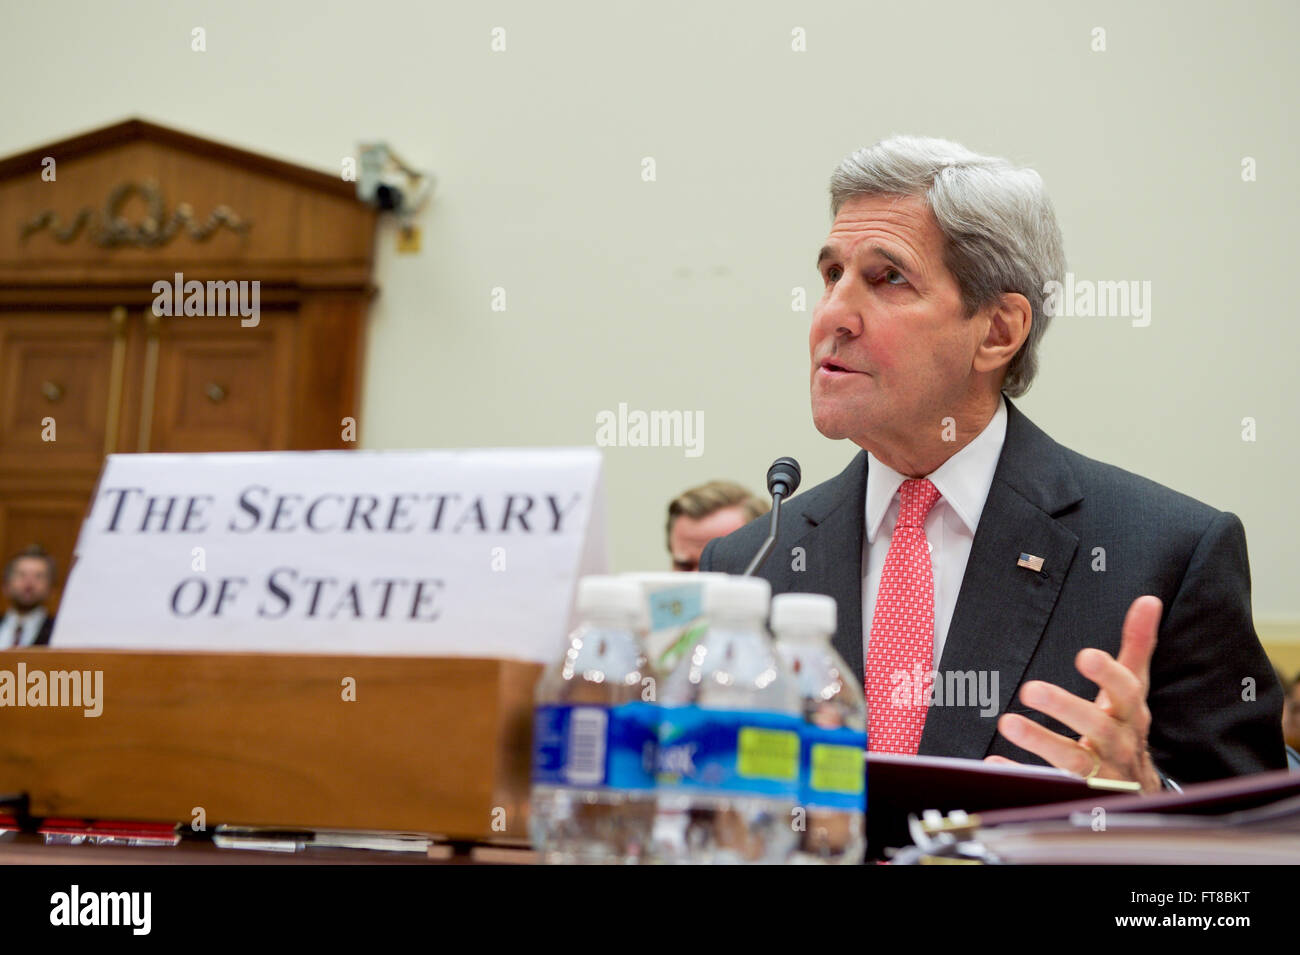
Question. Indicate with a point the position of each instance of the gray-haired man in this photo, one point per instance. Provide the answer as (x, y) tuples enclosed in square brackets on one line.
[(1108, 617)]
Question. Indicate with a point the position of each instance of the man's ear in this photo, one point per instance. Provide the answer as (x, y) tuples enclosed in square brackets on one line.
[(1008, 322)]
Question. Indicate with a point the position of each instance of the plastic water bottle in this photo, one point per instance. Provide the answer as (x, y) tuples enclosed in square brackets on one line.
[(833, 755), (674, 604), (728, 739), (593, 798)]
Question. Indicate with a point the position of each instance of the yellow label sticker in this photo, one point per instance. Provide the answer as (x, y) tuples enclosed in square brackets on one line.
[(767, 754), (837, 769), (408, 239)]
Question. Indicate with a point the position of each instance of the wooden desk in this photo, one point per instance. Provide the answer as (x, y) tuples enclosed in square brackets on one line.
[(430, 745), (31, 850)]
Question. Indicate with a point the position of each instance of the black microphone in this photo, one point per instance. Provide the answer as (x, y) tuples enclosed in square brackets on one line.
[(782, 481)]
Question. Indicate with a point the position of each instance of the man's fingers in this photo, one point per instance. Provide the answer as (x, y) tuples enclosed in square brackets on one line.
[(1138, 637), (1085, 718), (1000, 760), (1056, 749), (1121, 695)]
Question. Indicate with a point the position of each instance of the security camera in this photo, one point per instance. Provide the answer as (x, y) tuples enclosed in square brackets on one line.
[(389, 197), (389, 184)]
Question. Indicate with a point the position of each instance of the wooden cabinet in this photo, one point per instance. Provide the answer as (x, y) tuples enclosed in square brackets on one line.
[(100, 237)]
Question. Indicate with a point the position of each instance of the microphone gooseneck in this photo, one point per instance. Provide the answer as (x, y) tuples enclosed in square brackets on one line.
[(782, 481)]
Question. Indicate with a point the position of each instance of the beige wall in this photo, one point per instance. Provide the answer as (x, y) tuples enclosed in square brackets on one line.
[(676, 294)]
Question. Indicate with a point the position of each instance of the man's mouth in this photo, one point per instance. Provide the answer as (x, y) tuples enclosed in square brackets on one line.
[(832, 369)]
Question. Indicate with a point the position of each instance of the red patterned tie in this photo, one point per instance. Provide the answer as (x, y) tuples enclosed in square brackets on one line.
[(902, 629)]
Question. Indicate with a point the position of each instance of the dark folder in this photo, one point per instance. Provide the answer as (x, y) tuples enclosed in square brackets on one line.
[(901, 785)]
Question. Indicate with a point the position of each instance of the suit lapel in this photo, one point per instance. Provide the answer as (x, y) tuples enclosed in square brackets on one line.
[(1002, 608), (832, 548)]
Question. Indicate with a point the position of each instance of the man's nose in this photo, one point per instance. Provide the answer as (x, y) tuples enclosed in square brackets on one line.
[(840, 314)]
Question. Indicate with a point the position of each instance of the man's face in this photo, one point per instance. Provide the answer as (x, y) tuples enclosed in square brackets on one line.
[(688, 536), (890, 342), (28, 586), (1291, 717)]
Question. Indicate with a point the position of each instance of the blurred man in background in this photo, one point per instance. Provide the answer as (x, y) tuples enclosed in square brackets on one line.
[(1291, 718), (711, 510), (29, 578)]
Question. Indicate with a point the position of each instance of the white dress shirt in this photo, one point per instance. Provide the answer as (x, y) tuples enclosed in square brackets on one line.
[(20, 630), (964, 481)]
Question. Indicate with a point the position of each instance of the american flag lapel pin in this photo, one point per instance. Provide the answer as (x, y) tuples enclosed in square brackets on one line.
[(1030, 561)]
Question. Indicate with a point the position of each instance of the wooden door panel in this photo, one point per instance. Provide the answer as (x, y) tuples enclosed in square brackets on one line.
[(57, 368), (221, 386)]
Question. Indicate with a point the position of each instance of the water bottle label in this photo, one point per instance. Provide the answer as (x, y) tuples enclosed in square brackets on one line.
[(674, 606), (595, 747), (833, 768), (729, 752)]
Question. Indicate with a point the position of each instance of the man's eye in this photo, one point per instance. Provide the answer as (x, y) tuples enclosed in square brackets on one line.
[(890, 276)]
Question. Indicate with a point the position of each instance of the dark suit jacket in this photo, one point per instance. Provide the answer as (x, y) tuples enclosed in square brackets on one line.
[(1051, 502), (42, 635)]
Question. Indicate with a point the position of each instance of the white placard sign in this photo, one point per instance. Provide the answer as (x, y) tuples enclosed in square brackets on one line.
[(431, 553)]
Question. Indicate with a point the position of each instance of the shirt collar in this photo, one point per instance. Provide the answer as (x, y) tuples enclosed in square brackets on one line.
[(963, 480), (36, 613)]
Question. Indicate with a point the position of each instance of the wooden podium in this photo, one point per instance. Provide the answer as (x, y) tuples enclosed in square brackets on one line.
[(428, 745)]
